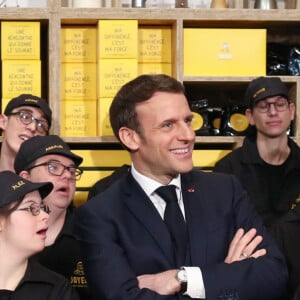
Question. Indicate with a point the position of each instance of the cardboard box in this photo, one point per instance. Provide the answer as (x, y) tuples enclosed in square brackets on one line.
[(79, 81), (155, 44), (224, 52), (104, 127), (117, 39), (79, 44), (78, 118), (21, 77), (20, 40), (155, 68), (113, 74)]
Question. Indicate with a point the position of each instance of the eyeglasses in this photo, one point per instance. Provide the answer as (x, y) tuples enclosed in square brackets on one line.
[(56, 168), (279, 105), (35, 209), (26, 118)]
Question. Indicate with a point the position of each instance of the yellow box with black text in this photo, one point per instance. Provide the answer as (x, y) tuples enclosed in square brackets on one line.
[(20, 40), (79, 81), (78, 118), (113, 74), (21, 77), (117, 39), (224, 52), (155, 44), (78, 44)]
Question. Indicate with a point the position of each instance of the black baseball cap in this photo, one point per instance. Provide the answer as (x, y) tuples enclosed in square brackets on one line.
[(14, 188), (39, 146), (29, 100), (264, 87)]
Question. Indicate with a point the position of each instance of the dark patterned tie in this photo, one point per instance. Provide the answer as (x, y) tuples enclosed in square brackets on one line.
[(175, 222)]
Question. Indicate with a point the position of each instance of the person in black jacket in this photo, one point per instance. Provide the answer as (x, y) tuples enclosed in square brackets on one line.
[(49, 158), (286, 232), (268, 163), (23, 226)]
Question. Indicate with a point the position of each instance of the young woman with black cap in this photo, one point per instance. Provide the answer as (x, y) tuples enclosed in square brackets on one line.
[(23, 227)]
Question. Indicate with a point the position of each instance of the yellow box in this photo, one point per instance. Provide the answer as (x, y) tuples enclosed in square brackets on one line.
[(155, 44), (224, 52), (79, 44), (4, 103), (20, 40), (117, 39), (114, 73), (104, 158), (79, 81), (206, 159), (104, 127), (21, 77), (155, 68), (78, 118)]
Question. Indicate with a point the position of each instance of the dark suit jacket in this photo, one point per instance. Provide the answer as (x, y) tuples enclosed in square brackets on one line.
[(123, 236), (286, 232)]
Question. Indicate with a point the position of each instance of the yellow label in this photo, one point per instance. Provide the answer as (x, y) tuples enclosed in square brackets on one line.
[(239, 122), (197, 122), (216, 123)]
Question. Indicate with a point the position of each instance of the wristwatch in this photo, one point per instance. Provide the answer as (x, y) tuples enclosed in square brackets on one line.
[(181, 276)]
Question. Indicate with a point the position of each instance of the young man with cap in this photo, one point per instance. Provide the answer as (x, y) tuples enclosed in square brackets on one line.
[(23, 226), (24, 117), (268, 163), (49, 158)]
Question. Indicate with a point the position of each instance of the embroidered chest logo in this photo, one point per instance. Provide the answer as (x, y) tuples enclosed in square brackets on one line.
[(78, 279)]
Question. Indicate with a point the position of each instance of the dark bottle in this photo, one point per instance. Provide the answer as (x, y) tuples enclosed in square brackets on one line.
[(201, 121)]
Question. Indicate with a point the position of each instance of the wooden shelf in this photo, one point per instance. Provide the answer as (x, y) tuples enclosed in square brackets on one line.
[(282, 24)]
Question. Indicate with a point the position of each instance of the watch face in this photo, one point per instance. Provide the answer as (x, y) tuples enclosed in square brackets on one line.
[(181, 276)]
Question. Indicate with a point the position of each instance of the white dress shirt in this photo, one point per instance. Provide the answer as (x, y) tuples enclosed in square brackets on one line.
[(195, 286)]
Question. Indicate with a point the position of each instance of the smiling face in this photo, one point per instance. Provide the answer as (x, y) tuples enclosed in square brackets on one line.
[(15, 132), (23, 233), (64, 185), (164, 147)]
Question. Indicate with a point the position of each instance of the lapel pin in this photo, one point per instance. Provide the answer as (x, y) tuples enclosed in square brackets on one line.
[(191, 190)]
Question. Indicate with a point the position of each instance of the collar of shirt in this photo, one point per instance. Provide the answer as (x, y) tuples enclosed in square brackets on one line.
[(149, 186)]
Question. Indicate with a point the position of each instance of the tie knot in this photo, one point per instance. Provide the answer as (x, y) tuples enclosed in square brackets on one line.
[(167, 192)]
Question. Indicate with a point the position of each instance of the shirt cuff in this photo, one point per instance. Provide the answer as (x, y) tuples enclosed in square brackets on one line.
[(195, 285)]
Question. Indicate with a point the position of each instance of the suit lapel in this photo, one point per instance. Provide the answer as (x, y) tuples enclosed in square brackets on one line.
[(141, 206), (196, 218)]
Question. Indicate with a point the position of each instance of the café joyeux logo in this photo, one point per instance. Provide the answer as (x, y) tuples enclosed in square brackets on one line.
[(225, 52)]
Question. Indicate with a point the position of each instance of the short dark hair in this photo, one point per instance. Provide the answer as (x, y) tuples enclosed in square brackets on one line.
[(122, 111)]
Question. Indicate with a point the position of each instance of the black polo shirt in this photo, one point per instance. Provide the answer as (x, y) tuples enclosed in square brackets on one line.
[(64, 257), (41, 283)]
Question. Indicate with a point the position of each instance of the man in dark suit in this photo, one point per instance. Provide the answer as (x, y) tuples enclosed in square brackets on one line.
[(130, 250)]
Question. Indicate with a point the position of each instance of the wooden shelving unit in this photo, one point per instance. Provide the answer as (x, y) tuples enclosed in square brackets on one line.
[(281, 24)]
